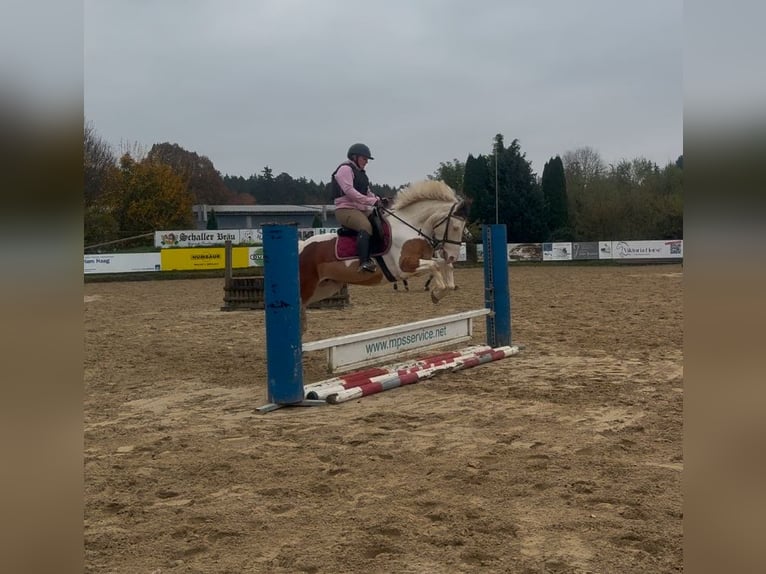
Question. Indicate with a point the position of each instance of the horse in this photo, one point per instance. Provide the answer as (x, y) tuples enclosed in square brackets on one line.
[(420, 233)]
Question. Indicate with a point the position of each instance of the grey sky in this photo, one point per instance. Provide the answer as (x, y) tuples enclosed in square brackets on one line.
[(292, 83)]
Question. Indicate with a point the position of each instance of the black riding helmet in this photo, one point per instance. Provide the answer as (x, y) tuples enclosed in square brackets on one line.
[(359, 149)]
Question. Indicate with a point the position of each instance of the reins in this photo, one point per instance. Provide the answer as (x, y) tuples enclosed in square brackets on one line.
[(435, 243)]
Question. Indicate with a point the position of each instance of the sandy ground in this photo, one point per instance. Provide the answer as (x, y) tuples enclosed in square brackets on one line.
[(565, 458)]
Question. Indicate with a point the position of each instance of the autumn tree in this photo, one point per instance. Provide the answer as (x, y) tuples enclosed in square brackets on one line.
[(150, 195), (203, 181)]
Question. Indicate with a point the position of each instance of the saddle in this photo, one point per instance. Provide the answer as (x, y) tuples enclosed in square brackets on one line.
[(380, 242)]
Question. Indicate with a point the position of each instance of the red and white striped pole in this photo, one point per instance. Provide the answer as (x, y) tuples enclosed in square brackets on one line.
[(323, 389), (394, 380)]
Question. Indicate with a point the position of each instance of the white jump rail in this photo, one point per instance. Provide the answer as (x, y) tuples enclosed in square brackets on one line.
[(360, 349)]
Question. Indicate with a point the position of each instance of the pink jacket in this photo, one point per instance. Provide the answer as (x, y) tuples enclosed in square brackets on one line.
[(351, 198)]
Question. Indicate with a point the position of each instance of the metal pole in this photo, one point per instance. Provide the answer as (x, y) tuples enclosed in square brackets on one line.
[(228, 265), (281, 294), (497, 219), (497, 292)]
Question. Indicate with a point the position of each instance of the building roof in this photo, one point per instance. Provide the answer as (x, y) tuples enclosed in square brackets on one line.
[(265, 209)]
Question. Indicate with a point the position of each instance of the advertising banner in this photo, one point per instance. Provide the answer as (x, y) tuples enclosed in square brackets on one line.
[(255, 257), (196, 237), (250, 236), (605, 250), (203, 258), (121, 262), (307, 232), (670, 249), (585, 250), (216, 237), (525, 251), (557, 251)]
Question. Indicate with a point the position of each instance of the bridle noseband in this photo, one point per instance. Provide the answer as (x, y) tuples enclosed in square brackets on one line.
[(432, 240)]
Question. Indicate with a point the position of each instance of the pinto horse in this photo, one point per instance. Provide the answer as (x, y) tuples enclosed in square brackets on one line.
[(422, 233)]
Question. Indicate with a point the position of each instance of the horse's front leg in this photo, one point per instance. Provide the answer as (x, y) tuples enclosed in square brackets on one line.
[(448, 273), (437, 268)]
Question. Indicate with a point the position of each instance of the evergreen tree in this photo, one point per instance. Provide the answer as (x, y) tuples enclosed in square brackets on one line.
[(520, 202), (478, 188), (554, 192), (212, 221)]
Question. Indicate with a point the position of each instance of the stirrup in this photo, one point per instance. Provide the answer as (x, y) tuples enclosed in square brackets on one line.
[(368, 266)]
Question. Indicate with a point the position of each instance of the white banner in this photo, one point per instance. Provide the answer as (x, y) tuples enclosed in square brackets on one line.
[(605, 250), (557, 251), (250, 236), (352, 351), (215, 237), (670, 249), (525, 252), (121, 262), (196, 237)]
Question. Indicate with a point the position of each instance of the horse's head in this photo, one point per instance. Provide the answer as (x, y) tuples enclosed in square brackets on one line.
[(448, 232), (433, 209)]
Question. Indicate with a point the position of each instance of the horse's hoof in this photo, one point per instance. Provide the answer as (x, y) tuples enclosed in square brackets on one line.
[(434, 298)]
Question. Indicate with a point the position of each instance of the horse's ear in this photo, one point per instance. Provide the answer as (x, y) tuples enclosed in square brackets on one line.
[(463, 208)]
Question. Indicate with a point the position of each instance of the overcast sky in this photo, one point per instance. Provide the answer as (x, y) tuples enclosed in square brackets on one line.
[(292, 83)]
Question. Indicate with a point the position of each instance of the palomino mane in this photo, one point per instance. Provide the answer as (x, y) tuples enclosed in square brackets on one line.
[(423, 191)]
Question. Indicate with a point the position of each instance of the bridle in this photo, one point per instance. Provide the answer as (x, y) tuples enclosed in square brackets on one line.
[(435, 243)]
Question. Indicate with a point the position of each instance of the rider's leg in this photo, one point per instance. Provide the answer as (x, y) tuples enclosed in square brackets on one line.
[(363, 250), (356, 220)]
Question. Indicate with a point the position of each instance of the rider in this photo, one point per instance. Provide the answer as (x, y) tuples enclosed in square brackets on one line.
[(354, 200)]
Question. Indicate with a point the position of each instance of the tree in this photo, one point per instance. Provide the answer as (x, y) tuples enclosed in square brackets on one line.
[(98, 163), (631, 200), (554, 190), (99, 168), (479, 189), (520, 202), (582, 167), (149, 196), (451, 173), (212, 221), (203, 181)]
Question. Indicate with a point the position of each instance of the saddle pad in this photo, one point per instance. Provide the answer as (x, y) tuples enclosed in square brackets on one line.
[(345, 245)]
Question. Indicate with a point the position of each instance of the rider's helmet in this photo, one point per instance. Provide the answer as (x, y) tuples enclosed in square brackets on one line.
[(359, 149)]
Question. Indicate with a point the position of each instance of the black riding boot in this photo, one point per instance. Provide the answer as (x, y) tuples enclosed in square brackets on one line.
[(363, 251)]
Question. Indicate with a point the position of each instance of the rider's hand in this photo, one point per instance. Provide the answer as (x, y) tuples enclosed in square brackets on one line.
[(383, 202)]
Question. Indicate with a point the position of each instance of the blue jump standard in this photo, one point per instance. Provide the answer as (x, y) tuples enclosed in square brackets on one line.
[(282, 302), (281, 293)]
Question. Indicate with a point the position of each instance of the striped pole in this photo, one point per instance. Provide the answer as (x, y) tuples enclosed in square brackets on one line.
[(384, 370), (395, 380), (323, 389)]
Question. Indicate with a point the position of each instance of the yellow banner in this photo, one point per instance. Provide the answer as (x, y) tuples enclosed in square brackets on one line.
[(195, 258)]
